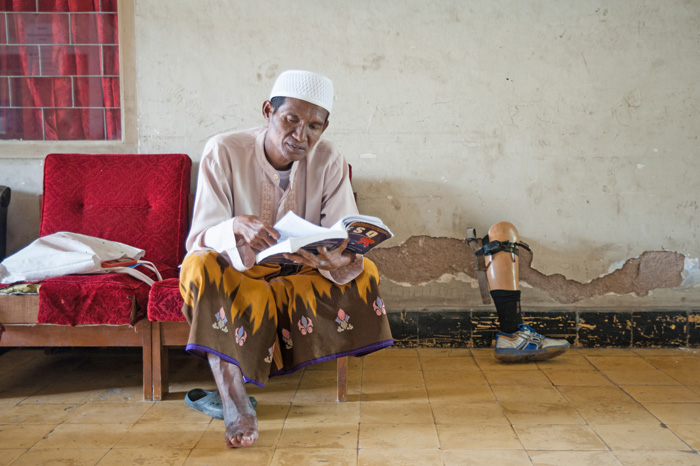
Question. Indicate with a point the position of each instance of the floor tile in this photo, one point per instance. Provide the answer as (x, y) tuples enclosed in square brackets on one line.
[(690, 434), (116, 413), (615, 413), (76, 436), (391, 392), (629, 362), (447, 378), (485, 457), (667, 352), (323, 379), (15, 436), (481, 437), (325, 394), (603, 394), (572, 359), (470, 414), (122, 394), (163, 435), (331, 436), (395, 436), (322, 456), (77, 457), (451, 393), (528, 394), (568, 437), (608, 352), (518, 378), (7, 456), (573, 458), (639, 437), (684, 376), (395, 377), (392, 364), (542, 413), (323, 413), (396, 412), (400, 457), (662, 393), (144, 456), (269, 395), (675, 413), (675, 363), (448, 352), (449, 364), (487, 362), (657, 458), (639, 377), (577, 378), (228, 456), (37, 413)]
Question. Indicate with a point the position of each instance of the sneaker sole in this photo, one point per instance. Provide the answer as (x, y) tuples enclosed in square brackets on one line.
[(514, 355)]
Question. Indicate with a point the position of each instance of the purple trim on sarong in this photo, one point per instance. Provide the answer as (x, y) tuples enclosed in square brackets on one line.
[(198, 351), (356, 352)]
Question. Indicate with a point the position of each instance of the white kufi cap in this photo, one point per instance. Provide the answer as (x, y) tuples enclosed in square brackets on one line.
[(305, 85)]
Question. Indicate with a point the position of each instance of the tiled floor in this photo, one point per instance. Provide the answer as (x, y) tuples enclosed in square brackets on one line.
[(406, 407)]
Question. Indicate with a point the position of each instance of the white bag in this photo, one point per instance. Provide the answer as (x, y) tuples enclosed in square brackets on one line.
[(66, 253)]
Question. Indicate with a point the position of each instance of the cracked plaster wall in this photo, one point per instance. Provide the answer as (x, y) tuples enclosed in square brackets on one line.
[(448, 264), (576, 121)]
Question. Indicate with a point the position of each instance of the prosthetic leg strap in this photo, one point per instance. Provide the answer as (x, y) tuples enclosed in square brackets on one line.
[(488, 249), (493, 247), (476, 245)]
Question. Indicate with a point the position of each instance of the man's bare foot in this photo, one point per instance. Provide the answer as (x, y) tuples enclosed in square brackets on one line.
[(239, 416), (241, 429)]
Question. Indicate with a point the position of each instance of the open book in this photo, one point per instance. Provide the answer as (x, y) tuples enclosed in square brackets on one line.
[(364, 231)]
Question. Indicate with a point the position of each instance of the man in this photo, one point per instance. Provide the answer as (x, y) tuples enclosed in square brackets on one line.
[(515, 341), (253, 321)]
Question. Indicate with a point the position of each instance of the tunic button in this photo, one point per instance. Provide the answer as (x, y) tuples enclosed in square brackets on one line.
[(276, 177)]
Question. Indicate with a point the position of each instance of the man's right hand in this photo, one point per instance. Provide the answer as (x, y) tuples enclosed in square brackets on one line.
[(258, 234)]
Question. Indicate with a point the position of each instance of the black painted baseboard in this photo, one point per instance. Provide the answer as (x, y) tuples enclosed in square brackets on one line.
[(583, 328)]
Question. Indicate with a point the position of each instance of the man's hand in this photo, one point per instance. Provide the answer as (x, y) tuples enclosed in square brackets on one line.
[(325, 259), (258, 234)]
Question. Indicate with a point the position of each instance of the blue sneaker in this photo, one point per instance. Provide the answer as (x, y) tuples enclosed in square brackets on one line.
[(527, 345)]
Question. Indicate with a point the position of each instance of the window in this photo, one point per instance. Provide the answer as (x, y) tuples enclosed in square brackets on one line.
[(59, 70)]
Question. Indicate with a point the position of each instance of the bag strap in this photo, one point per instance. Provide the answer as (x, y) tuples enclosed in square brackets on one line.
[(136, 273)]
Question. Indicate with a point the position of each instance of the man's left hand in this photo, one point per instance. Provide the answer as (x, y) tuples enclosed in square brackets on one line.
[(325, 259)]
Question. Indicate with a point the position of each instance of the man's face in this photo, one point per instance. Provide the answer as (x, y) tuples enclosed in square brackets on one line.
[(293, 130)]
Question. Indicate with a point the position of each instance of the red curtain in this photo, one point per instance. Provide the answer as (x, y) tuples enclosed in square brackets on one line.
[(62, 70)]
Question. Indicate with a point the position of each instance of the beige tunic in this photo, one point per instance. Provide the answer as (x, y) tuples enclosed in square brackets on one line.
[(235, 178)]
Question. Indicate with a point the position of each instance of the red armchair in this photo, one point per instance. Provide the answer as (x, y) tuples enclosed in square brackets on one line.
[(140, 200)]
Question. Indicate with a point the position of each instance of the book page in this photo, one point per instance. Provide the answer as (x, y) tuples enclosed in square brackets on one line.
[(293, 226)]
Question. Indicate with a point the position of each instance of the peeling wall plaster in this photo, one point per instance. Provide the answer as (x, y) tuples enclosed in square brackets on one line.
[(423, 259)]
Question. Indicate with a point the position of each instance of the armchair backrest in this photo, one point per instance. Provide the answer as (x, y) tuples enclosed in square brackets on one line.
[(137, 199)]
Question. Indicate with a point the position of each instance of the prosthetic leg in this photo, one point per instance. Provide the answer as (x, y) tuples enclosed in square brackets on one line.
[(497, 271)]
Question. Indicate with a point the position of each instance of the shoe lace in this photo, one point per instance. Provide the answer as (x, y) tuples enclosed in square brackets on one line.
[(527, 329)]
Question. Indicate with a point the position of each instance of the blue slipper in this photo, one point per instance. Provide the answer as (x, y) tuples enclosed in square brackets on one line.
[(209, 403)]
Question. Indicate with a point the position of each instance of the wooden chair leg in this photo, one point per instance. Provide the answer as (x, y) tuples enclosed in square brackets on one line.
[(342, 379), (147, 359), (160, 364)]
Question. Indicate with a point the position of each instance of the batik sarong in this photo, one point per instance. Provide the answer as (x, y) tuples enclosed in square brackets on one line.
[(274, 319)]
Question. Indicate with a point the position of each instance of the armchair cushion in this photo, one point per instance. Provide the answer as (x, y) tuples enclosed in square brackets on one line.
[(165, 302)]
